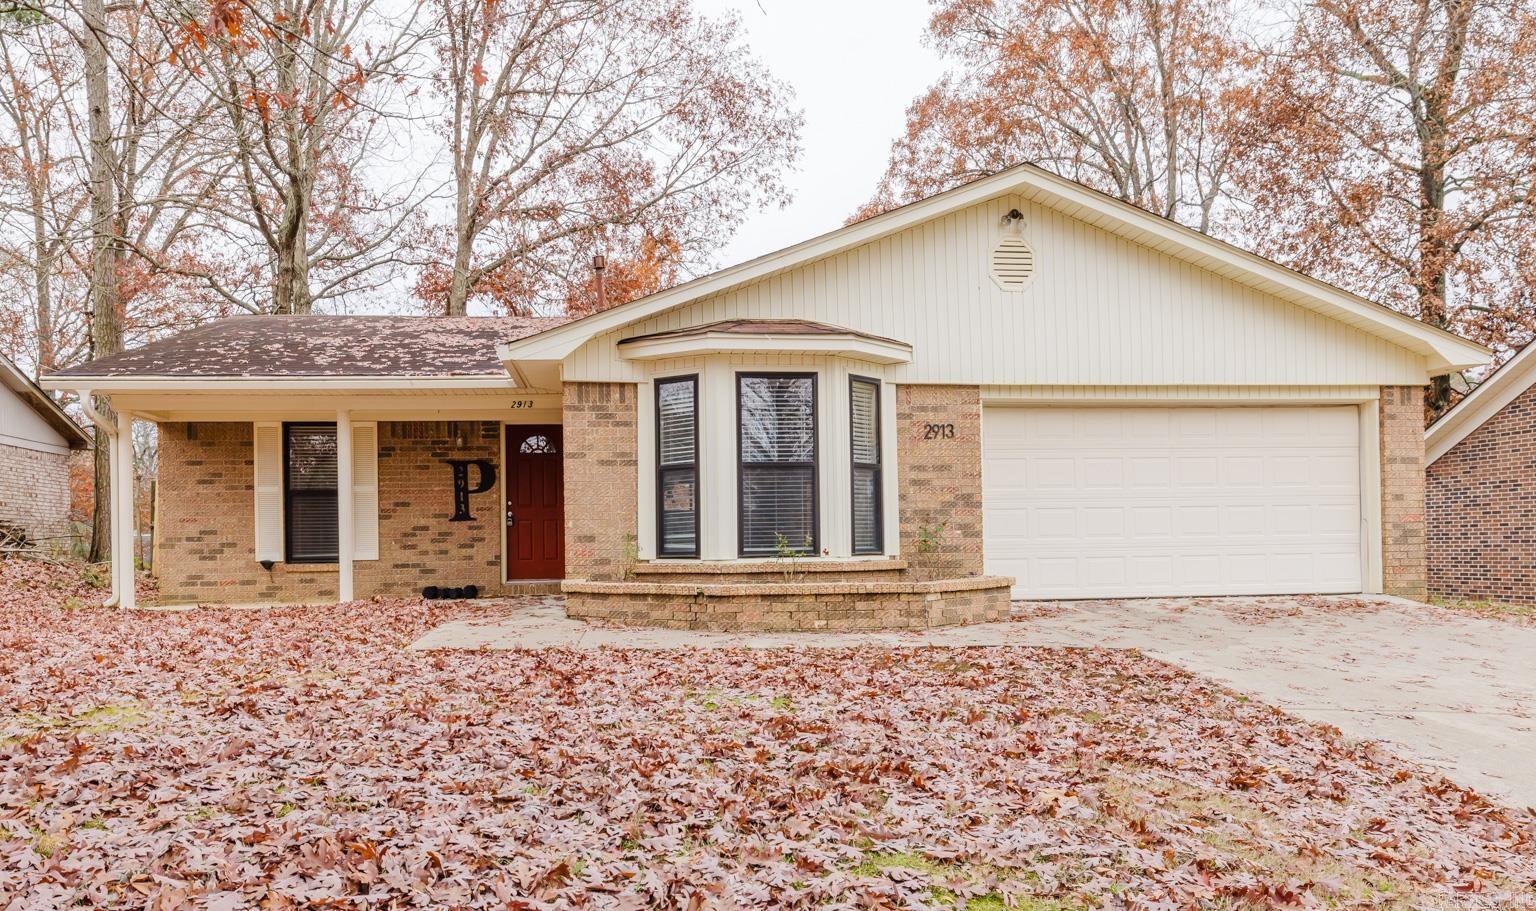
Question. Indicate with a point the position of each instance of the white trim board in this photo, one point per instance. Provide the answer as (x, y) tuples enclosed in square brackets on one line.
[(1489, 398)]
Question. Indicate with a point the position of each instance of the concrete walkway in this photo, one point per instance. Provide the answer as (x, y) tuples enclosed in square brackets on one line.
[(1455, 692)]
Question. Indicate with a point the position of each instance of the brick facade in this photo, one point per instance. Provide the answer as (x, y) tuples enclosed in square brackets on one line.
[(601, 479), (1481, 507), (1402, 492), (205, 544), (34, 491), (939, 477), (772, 607)]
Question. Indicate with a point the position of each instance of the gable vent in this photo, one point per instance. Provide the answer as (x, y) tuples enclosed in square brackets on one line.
[(1013, 263)]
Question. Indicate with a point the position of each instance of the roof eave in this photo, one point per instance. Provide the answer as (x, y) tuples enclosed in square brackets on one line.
[(1488, 399), (839, 344), (44, 405), (148, 383)]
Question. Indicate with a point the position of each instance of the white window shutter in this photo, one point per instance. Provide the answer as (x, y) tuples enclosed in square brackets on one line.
[(365, 491), (268, 458)]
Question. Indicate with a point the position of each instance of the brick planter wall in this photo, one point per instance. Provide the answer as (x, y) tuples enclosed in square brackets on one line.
[(34, 491), (206, 530), (1402, 492), (1481, 507), (940, 477), (601, 481), (782, 607)]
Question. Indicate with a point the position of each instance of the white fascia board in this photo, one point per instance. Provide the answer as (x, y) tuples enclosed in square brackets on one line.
[(1488, 399), (1443, 351), (110, 384), (843, 344)]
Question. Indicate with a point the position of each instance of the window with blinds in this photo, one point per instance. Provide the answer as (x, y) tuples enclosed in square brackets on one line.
[(309, 484), (776, 414), (864, 411), (677, 466)]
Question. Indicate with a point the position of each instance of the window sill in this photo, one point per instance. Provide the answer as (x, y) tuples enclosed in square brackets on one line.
[(678, 566)]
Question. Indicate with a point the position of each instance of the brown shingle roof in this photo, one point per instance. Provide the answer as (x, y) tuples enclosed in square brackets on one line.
[(758, 327), (339, 346)]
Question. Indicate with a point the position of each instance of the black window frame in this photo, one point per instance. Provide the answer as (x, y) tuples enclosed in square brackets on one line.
[(878, 467), (289, 494), (661, 472), (814, 464)]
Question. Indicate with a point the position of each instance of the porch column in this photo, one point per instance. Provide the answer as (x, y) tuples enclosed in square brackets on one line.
[(122, 513), (344, 529)]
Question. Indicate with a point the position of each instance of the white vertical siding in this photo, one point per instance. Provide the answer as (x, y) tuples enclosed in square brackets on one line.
[(1102, 310)]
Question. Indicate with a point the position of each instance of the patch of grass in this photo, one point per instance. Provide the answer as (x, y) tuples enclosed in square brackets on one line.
[(877, 863), (103, 719), (1241, 831), (1522, 614), (47, 844)]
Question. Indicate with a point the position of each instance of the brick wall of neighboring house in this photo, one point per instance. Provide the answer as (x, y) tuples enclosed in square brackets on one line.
[(1402, 492), (601, 480), (1481, 504), (939, 477), (206, 531), (34, 491)]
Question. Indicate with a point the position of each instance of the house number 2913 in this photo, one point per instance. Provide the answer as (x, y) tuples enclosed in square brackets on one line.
[(938, 431)]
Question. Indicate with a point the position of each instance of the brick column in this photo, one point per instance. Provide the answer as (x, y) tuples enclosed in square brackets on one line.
[(940, 476), (1402, 492), (601, 484)]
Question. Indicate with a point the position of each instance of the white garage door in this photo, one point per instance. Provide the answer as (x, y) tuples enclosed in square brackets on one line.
[(1118, 502)]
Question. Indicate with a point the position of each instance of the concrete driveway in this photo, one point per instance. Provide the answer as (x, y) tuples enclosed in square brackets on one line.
[(1452, 691)]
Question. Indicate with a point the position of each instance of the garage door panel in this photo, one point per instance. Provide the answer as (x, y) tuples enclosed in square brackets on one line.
[(1164, 501)]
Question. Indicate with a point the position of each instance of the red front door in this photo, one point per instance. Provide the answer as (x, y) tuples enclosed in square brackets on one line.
[(535, 503)]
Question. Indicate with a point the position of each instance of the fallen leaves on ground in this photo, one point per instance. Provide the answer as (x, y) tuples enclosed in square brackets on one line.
[(302, 757)]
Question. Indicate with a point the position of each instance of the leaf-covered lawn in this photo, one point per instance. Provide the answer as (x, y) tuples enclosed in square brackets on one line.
[(230, 759)]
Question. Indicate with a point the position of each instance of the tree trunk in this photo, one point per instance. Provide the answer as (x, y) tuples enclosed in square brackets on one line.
[(291, 295), (458, 288), (106, 322)]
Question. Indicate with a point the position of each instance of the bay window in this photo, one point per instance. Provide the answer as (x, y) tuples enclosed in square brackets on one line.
[(677, 466), (864, 418), (776, 419)]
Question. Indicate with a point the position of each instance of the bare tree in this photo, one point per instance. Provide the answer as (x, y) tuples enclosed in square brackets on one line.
[(299, 91), (1144, 99), (634, 126)]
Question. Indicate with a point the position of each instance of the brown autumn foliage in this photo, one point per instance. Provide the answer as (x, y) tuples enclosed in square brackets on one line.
[(1400, 140), (1147, 100), (302, 758)]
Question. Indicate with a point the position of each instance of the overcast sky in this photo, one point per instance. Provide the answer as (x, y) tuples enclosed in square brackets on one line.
[(855, 65)]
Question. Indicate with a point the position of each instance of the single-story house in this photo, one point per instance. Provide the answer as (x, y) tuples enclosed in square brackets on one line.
[(1017, 388), (36, 439), (1481, 489)]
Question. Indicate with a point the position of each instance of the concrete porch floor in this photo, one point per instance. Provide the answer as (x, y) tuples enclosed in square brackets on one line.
[(1455, 692)]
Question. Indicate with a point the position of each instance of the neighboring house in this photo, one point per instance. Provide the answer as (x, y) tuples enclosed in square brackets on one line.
[(36, 438), (1018, 387), (1481, 487)]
